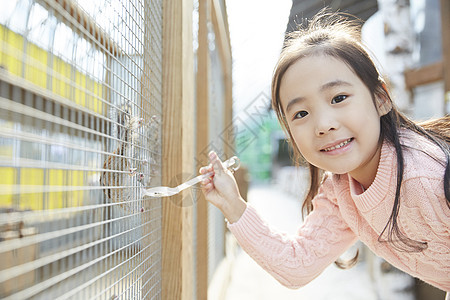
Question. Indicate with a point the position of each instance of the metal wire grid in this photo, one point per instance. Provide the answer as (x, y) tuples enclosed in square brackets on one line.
[(78, 81)]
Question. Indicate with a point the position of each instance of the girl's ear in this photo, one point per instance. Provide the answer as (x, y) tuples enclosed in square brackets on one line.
[(384, 105), (383, 102)]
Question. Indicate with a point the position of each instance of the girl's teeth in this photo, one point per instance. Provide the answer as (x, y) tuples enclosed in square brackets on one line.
[(338, 146)]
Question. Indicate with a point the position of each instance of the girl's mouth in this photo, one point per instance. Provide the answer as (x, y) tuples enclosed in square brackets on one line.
[(340, 145)]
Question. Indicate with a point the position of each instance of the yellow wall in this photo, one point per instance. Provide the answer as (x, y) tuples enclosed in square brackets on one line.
[(35, 67), (31, 184), (62, 79), (7, 176)]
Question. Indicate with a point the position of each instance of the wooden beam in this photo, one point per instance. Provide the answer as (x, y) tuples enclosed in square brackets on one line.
[(222, 35), (178, 148), (427, 74), (203, 82), (220, 25), (445, 27)]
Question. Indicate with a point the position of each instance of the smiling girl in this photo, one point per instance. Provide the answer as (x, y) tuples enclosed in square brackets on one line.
[(375, 175)]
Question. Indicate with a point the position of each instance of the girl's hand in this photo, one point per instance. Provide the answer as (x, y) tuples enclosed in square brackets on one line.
[(221, 189)]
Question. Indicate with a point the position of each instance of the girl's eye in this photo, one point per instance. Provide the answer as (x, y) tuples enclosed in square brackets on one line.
[(300, 114), (338, 99)]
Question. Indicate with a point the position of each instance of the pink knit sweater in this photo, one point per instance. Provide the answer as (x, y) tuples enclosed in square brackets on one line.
[(344, 213)]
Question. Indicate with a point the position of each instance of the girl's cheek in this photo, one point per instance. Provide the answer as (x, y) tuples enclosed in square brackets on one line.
[(296, 142)]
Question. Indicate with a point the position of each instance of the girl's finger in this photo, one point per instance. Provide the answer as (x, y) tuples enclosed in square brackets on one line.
[(207, 187), (204, 170), (207, 169), (216, 163)]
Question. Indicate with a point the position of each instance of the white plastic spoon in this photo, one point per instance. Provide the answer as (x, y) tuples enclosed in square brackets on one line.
[(232, 164)]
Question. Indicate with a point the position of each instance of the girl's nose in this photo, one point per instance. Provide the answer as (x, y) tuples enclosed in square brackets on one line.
[(325, 124)]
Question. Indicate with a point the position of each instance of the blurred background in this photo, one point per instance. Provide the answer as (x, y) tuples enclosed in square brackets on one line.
[(102, 99)]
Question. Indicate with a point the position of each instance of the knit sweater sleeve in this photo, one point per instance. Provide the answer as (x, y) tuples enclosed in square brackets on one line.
[(295, 260)]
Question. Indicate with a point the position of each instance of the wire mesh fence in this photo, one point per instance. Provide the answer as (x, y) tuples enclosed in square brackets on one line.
[(80, 132)]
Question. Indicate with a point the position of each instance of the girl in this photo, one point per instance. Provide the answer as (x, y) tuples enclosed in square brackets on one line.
[(387, 180)]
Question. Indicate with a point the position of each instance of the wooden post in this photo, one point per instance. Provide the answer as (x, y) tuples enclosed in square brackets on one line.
[(219, 20), (178, 150), (221, 33), (445, 27), (203, 82)]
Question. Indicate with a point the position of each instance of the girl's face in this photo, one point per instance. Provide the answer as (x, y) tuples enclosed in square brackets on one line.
[(332, 117)]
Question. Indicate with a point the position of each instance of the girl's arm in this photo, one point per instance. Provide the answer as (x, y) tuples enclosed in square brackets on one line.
[(294, 260)]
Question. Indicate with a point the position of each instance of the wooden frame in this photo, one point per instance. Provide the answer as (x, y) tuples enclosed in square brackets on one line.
[(178, 147), (427, 74), (440, 70), (219, 19), (203, 76), (445, 27), (178, 139), (210, 11)]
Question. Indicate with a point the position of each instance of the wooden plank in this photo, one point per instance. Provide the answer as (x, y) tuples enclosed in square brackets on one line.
[(222, 36), (230, 148), (178, 153), (220, 25), (445, 21), (221, 31), (427, 74), (203, 80)]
